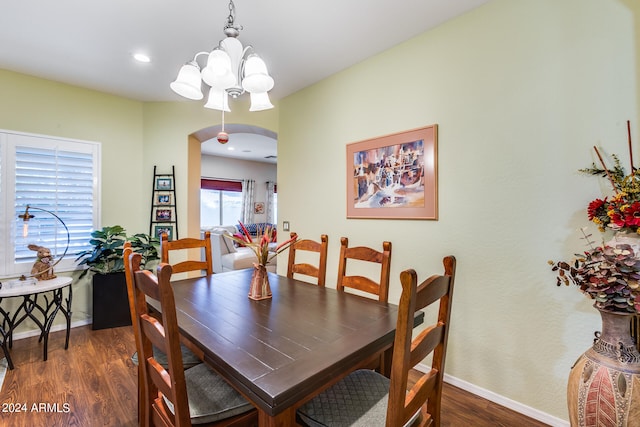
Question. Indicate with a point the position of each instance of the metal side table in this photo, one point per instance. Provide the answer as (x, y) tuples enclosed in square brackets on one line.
[(35, 300)]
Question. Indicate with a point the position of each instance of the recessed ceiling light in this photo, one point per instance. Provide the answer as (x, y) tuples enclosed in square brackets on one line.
[(141, 57), (230, 148)]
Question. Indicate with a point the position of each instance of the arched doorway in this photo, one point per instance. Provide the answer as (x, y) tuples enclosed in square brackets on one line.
[(250, 154)]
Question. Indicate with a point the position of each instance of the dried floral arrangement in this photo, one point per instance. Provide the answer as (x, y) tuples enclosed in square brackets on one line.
[(610, 273)]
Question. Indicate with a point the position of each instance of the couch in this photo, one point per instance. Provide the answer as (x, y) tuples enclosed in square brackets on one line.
[(228, 257), (254, 228)]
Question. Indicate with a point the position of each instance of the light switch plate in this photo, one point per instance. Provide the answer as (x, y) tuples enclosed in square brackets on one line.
[(285, 225)]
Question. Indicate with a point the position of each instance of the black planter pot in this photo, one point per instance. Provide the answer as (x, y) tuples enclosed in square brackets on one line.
[(110, 301)]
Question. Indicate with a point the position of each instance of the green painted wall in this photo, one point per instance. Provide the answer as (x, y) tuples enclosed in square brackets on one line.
[(34, 105), (521, 91), (40, 106)]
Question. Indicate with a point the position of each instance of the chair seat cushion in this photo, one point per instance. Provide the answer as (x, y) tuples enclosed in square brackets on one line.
[(189, 359), (210, 397), (359, 399)]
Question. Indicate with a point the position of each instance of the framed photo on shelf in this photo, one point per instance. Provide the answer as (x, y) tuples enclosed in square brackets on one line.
[(164, 214), (164, 183), (394, 176), (164, 199), (159, 229)]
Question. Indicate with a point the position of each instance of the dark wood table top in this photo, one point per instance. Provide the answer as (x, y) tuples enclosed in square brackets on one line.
[(280, 350)]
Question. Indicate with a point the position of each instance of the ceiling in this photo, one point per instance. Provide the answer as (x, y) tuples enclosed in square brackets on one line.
[(90, 43)]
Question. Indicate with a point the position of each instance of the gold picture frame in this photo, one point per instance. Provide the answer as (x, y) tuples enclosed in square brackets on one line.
[(394, 176)]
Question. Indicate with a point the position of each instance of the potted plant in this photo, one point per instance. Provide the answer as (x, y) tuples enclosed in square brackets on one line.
[(105, 262)]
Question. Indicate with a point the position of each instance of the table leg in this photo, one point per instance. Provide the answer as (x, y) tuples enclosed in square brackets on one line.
[(285, 418), (68, 316), (5, 332), (28, 305), (49, 318)]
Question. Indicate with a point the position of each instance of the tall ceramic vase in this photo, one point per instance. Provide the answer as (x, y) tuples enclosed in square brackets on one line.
[(260, 288), (604, 383)]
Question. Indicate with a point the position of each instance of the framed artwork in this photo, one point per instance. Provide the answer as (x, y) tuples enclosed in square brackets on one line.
[(164, 199), (164, 183), (159, 229), (394, 176), (164, 215), (258, 208)]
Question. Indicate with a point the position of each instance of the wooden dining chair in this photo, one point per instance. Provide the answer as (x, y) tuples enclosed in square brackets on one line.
[(174, 396), (368, 398), (304, 268), (189, 359), (186, 243), (129, 267), (365, 284)]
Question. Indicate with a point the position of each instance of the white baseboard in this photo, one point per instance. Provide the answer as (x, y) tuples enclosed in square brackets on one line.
[(530, 412), (54, 328)]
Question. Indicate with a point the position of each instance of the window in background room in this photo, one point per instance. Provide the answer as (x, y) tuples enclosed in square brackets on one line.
[(275, 208), (58, 175), (220, 202)]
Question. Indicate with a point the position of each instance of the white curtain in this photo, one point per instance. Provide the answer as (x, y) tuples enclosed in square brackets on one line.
[(270, 208), (248, 196)]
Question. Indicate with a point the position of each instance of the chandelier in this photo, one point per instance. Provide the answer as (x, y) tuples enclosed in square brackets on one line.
[(230, 70)]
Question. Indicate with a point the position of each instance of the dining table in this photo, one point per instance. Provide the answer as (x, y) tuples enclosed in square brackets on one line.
[(280, 352)]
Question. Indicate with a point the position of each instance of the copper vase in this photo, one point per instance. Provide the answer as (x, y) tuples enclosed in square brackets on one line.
[(604, 383), (260, 288)]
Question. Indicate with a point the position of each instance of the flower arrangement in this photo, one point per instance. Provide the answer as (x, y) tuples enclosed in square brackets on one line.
[(622, 211), (610, 273), (261, 247)]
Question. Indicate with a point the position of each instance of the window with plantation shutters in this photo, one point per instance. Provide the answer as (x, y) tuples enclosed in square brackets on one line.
[(58, 175)]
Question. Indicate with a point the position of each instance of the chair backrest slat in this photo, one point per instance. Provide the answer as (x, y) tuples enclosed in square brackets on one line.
[(361, 283), (426, 394), (419, 394), (154, 331), (425, 343), (159, 377), (319, 271), (188, 243), (365, 284)]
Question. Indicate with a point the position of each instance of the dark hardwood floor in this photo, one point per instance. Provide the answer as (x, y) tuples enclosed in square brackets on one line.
[(94, 383)]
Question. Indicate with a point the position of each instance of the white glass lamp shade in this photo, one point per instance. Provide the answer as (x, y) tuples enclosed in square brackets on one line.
[(218, 72), (260, 101), (188, 83), (218, 100), (256, 78)]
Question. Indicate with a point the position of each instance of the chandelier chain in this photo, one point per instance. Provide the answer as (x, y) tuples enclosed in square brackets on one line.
[(232, 17)]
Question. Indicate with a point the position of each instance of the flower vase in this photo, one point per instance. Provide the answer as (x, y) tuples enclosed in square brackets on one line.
[(633, 240), (604, 383), (260, 288)]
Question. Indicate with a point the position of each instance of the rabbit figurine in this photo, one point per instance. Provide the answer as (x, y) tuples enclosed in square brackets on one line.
[(42, 269)]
